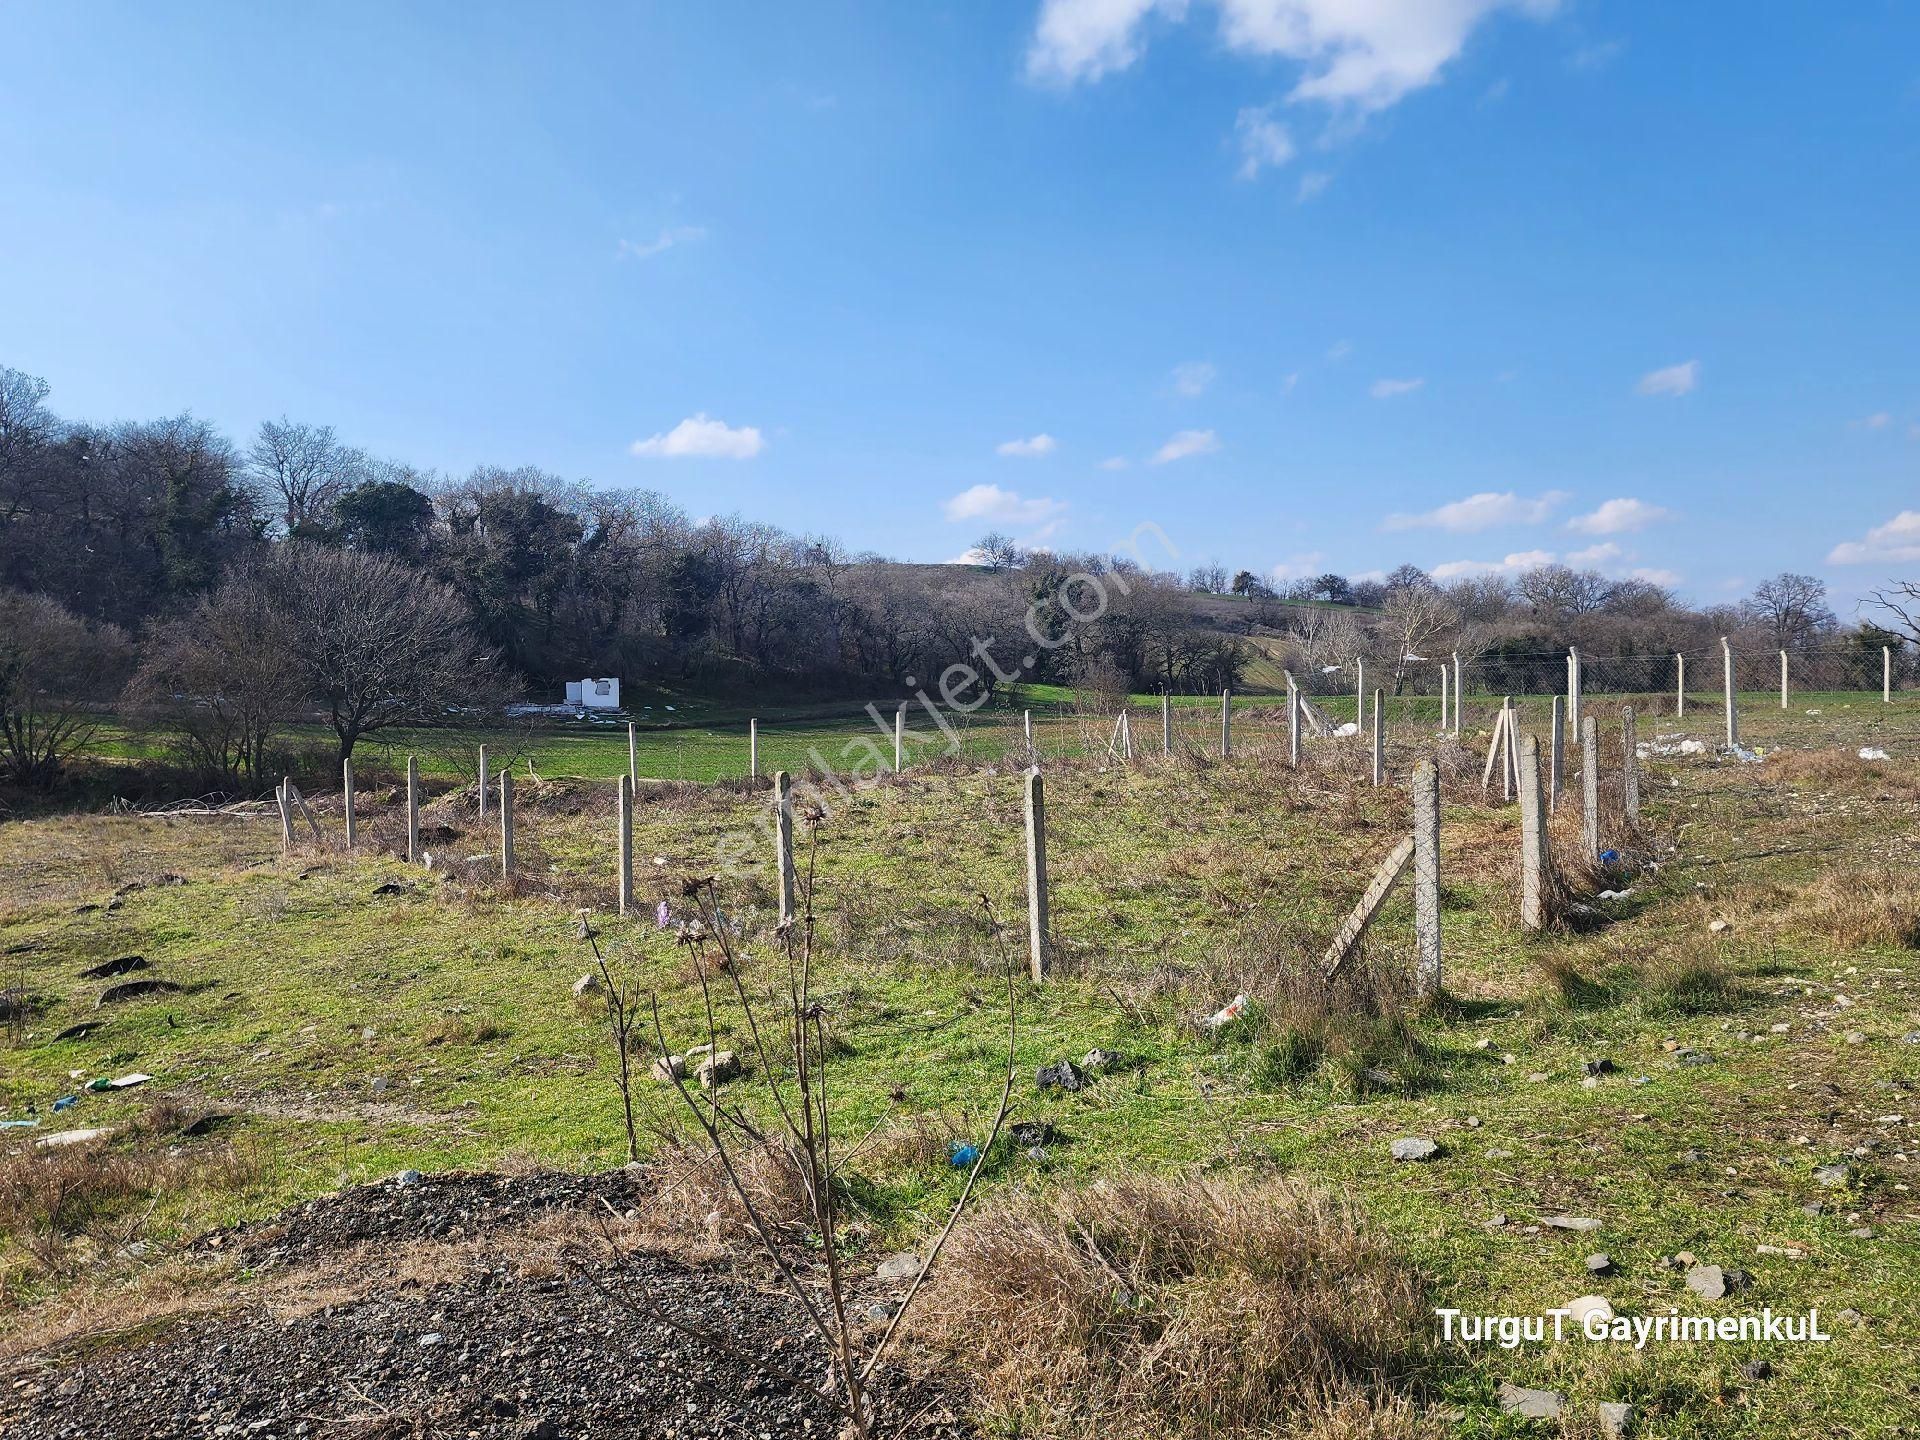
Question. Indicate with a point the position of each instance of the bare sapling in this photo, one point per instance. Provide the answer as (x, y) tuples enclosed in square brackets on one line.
[(620, 995), (791, 1053)]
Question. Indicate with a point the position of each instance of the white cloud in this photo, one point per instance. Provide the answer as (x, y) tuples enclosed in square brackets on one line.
[(1339, 350), (1484, 511), (1300, 567), (1264, 141), (1193, 378), (1387, 389), (1665, 579), (698, 437), (1620, 516), (1115, 462), (1288, 381), (1597, 557), (1085, 39), (1879, 420), (1034, 445), (1003, 507), (666, 240), (1897, 542), (1313, 185), (1187, 442), (1672, 380), (1360, 54), (1514, 564)]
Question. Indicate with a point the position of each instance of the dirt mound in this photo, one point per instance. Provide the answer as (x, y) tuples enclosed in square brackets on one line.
[(364, 1334), (451, 1206)]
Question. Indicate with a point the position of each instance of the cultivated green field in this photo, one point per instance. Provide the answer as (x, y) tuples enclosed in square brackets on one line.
[(352, 1033)]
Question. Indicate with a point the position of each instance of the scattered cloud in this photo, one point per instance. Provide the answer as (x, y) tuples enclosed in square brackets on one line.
[(1030, 448), (1193, 378), (1003, 507), (1897, 542), (1622, 516), (699, 437), (1115, 462), (1360, 55), (1485, 511), (1672, 380), (1879, 420), (664, 241), (1387, 389), (1597, 557), (1288, 381), (1665, 579), (1339, 350), (1597, 56), (1515, 564), (1186, 443), (1264, 142), (1300, 567), (1313, 185)]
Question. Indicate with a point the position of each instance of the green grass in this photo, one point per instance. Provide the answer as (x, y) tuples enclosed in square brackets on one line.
[(1172, 884)]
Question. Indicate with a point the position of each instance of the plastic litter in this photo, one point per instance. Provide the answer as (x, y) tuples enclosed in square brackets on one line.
[(1227, 1013), (1746, 756), (1607, 857), (18, 1124), (121, 1083), (1614, 895), (963, 1154), (65, 1102), (1349, 728), (1670, 745), (662, 915), (1873, 752)]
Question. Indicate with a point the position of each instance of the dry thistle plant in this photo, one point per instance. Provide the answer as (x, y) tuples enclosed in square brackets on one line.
[(793, 1051), (621, 996)]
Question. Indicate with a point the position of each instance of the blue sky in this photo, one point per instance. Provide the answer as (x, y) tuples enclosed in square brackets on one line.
[(1310, 284)]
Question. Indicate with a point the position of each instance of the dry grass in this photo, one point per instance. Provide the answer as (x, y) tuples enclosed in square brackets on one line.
[(1854, 910), (1843, 772), (1148, 1307)]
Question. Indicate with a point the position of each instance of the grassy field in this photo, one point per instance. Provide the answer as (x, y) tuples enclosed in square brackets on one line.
[(352, 1033)]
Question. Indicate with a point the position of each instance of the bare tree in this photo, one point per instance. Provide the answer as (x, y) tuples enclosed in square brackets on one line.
[(304, 469), (1412, 618), (377, 643), (1899, 602), (999, 552), (52, 665), (1792, 607)]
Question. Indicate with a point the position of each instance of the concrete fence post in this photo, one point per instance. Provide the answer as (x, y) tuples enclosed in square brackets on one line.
[(1630, 764), (1556, 757), (1026, 729), (788, 880), (413, 810), (1456, 694), (283, 798), (1783, 679), (753, 749), (624, 824), (1509, 751), (1679, 684), (1886, 674), (1166, 723), (506, 823), (1590, 787), (1293, 722), (1533, 839), (1126, 734), (1726, 665), (1226, 723), (1426, 877), (1359, 694), (1379, 744), (1037, 938), (1443, 696), (346, 802), (483, 784), (633, 754), (899, 737), (1574, 687)]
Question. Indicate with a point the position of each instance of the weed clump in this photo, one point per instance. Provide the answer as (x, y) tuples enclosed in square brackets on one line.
[(1148, 1307)]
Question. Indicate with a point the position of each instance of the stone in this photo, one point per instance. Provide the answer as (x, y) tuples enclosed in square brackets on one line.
[(1414, 1147), (1064, 1076), (408, 1177), (1757, 1369), (902, 1266), (1616, 1419), (1097, 1060), (1472, 1122), (1856, 1037), (1530, 1404), (1712, 1283), (1570, 1222), (1719, 927), (1580, 1307), (1030, 1133), (668, 1068), (1832, 1175), (1852, 1316), (1602, 1066), (586, 985), (1600, 1263), (720, 1067)]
